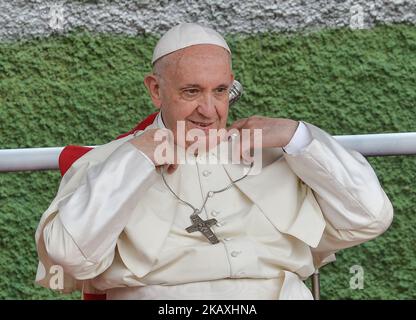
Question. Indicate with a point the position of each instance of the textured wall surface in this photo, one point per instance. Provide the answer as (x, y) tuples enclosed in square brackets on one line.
[(86, 89), (24, 18)]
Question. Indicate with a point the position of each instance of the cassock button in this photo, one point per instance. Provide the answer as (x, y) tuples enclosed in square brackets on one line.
[(235, 253), (214, 213), (206, 173)]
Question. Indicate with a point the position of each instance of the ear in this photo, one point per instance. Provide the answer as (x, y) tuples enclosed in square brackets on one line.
[(152, 85)]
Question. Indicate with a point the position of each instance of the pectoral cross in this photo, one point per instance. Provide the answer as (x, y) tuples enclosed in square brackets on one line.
[(203, 226)]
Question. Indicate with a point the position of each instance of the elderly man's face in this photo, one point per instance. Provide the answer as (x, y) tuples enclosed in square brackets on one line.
[(192, 85)]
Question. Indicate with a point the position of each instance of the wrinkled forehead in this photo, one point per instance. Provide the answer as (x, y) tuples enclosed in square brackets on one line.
[(197, 58), (206, 52)]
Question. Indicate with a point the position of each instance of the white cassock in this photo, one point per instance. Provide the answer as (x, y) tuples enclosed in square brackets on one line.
[(114, 226)]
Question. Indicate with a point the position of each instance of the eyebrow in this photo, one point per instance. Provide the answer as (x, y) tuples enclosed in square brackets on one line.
[(193, 85), (190, 85)]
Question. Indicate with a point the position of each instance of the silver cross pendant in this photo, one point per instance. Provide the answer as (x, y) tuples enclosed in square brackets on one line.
[(203, 226)]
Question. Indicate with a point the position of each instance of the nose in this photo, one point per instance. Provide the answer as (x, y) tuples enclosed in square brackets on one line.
[(206, 106)]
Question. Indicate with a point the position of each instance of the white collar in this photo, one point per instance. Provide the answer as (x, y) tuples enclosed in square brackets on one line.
[(159, 121)]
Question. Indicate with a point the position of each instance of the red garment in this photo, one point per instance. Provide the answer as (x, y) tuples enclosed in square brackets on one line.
[(72, 153)]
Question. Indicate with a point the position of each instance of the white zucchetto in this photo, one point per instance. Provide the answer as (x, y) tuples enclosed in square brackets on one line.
[(185, 35)]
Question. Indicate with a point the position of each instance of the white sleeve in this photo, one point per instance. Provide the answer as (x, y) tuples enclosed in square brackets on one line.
[(347, 189), (83, 234)]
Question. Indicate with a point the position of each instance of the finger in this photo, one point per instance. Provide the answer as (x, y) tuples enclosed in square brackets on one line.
[(239, 124), (163, 167), (234, 131), (172, 168), (246, 145)]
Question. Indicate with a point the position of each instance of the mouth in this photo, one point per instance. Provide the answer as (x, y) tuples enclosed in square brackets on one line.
[(202, 125)]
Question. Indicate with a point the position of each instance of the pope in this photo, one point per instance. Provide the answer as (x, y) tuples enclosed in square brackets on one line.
[(134, 225)]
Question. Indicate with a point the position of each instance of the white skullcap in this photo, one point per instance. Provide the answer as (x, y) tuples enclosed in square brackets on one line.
[(185, 35)]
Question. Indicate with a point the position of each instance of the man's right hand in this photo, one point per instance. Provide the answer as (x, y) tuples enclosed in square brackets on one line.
[(147, 143)]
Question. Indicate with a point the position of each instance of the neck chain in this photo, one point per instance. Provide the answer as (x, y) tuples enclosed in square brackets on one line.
[(198, 224)]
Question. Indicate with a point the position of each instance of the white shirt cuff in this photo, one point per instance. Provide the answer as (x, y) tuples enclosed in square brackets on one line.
[(299, 141)]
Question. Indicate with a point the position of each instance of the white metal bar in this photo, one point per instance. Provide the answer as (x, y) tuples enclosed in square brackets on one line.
[(382, 144), (28, 159), (385, 144)]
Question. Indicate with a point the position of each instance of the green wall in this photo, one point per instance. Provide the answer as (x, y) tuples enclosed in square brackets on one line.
[(86, 89)]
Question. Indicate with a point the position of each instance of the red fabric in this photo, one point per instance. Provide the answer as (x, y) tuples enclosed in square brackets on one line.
[(69, 155), (141, 126), (95, 296), (72, 153)]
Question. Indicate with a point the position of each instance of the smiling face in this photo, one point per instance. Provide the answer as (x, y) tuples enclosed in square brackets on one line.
[(192, 85)]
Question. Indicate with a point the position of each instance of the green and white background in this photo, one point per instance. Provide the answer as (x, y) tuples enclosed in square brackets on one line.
[(71, 73)]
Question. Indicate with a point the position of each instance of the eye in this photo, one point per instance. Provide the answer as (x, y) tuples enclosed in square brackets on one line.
[(221, 90), (190, 93)]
